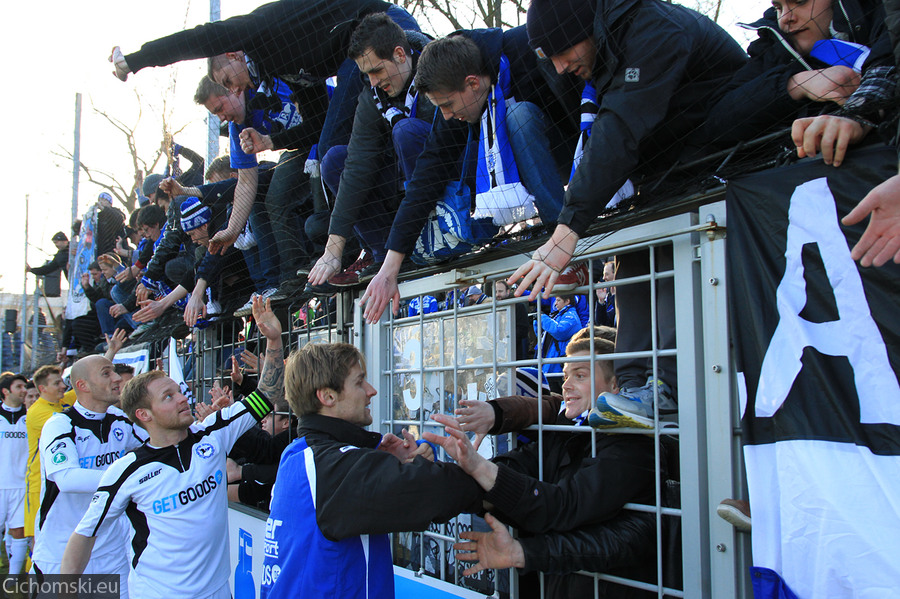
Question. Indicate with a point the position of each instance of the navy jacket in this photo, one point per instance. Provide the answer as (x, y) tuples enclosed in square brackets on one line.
[(440, 161)]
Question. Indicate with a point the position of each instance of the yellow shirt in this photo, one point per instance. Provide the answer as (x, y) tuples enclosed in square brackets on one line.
[(37, 415)]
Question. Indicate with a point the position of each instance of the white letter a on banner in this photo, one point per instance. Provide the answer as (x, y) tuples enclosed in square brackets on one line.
[(812, 218)]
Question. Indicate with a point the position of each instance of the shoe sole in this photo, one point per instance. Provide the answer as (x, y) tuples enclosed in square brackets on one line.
[(735, 517), (605, 416), (320, 290)]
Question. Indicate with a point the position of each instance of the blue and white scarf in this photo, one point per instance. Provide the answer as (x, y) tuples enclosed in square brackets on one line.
[(394, 114), (499, 193), (589, 110)]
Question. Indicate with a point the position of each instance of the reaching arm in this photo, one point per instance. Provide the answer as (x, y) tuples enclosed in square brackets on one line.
[(76, 480), (271, 379), (244, 196)]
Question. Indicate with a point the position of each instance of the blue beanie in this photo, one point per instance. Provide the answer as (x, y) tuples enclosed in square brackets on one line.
[(193, 214)]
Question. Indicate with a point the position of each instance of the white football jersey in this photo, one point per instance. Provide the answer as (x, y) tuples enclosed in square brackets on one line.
[(13, 447), (176, 501), (88, 443)]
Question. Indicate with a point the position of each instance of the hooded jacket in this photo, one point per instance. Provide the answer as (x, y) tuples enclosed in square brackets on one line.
[(440, 161), (652, 95), (756, 101)]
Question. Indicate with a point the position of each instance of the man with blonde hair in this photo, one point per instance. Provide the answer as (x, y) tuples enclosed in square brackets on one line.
[(174, 487), (339, 492)]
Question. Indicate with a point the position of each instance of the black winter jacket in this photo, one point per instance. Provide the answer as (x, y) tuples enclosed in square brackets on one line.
[(60, 261), (574, 515), (756, 101), (382, 494), (440, 161), (283, 38), (652, 95), (371, 147)]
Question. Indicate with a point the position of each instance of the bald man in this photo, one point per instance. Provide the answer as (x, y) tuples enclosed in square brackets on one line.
[(76, 447)]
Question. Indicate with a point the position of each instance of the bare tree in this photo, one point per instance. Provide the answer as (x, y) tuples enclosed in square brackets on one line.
[(465, 15), (122, 188)]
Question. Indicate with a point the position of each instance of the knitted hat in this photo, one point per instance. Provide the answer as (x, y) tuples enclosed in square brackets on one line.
[(554, 26), (104, 195), (193, 214), (59, 236), (151, 184)]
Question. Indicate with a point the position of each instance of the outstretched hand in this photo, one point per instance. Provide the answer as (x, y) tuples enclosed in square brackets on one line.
[(490, 550), (379, 293), (458, 447), (221, 241), (404, 449), (546, 264), (475, 416), (881, 240), (115, 343), (266, 321)]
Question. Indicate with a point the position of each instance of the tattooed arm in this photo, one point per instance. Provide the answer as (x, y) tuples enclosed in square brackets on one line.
[(271, 379)]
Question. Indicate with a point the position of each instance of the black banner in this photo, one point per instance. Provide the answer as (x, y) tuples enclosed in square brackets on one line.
[(816, 336)]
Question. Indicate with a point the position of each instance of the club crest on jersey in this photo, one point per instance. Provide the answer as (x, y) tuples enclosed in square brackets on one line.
[(205, 450), (59, 458), (118, 434)]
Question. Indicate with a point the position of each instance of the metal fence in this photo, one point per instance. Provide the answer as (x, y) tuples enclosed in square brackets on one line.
[(426, 363)]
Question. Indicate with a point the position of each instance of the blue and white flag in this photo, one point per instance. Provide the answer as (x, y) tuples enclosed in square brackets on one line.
[(77, 304)]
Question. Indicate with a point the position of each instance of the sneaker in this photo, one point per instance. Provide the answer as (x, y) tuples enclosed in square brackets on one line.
[(572, 276), (350, 276), (247, 308), (632, 407), (141, 329), (736, 512), (605, 416), (213, 308), (303, 271), (288, 289)]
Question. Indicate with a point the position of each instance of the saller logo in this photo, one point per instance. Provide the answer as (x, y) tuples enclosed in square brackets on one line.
[(148, 476)]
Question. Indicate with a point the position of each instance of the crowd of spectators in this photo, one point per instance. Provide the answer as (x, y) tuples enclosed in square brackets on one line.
[(398, 148)]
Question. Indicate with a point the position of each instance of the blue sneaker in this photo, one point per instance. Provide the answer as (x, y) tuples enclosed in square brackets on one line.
[(632, 408)]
